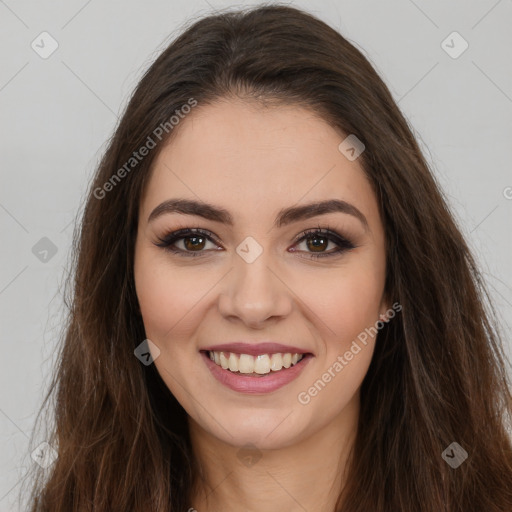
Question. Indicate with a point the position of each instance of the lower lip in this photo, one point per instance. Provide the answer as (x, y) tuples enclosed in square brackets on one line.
[(256, 385)]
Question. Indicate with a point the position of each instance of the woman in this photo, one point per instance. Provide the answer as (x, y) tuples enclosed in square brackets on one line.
[(273, 308)]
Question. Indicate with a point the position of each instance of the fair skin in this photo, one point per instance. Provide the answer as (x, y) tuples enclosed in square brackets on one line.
[(253, 162)]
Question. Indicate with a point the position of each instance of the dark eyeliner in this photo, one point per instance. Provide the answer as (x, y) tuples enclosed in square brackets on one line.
[(343, 243), (167, 241)]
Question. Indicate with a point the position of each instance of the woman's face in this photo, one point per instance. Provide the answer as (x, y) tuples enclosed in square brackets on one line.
[(251, 277)]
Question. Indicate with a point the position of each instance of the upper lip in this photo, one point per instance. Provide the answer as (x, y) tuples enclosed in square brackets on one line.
[(254, 349)]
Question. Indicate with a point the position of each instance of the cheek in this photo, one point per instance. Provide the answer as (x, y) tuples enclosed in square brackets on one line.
[(164, 297), (348, 301), (350, 312), (168, 299), (157, 301)]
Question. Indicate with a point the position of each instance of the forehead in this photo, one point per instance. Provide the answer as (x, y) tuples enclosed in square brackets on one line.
[(246, 158)]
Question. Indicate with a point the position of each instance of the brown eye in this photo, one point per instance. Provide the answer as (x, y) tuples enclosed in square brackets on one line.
[(193, 242), (317, 241)]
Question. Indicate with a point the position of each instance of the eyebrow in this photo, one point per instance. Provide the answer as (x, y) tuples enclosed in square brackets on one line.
[(284, 217)]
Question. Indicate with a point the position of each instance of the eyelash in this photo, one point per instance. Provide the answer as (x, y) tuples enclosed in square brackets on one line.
[(169, 239)]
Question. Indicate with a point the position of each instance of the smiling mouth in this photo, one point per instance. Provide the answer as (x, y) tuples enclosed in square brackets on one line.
[(255, 366)]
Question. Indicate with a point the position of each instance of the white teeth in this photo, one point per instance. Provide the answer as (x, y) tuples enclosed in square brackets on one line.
[(260, 364), (233, 362), (276, 362), (223, 361), (245, 363)]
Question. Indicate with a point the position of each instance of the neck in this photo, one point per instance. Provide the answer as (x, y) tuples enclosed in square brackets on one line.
[(307, 475)]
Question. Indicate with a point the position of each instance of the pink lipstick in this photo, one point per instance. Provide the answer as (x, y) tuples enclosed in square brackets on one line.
[(251, 383)]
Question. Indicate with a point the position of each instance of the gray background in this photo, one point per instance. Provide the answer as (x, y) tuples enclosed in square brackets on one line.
[(57, 114)]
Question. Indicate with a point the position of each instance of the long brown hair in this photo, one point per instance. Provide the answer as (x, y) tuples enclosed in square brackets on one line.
[(438, 374)]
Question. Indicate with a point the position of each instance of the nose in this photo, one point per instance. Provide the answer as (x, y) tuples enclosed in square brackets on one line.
[(254, 293)]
